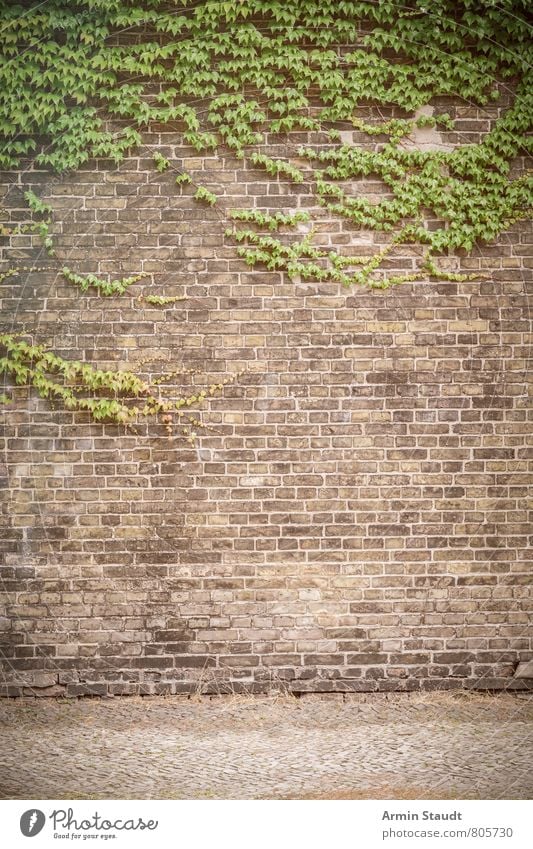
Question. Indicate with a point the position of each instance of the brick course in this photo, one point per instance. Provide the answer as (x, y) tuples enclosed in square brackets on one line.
[(355, 519)]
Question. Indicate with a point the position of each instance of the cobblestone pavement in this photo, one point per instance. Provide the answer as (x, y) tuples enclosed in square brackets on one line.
[(378, 746)]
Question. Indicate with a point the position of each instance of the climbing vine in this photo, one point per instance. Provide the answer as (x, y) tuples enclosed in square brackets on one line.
[(61, 66), (204, 195), (103, 287), (265, 219), (41, 226), (161, 300), (263, 67)]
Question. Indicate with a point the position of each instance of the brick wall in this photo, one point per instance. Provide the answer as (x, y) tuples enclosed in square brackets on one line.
[(356, 516)]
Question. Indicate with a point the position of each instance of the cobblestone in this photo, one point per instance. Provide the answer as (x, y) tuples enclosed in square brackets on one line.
[(438, 745)]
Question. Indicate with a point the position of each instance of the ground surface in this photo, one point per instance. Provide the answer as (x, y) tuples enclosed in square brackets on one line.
[(375, 746)]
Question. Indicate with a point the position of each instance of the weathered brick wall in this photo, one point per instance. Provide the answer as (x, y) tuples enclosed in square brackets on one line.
[(356, 518)]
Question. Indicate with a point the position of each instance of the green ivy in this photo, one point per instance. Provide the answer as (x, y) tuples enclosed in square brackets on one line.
[(277, 167), (161, 162), (262, 67), (256, 62), (42, 227), (103, 287), (37, 205), (205, 196), (265, 219), (183, 179), (304, 260), (61, 67), (161, 300)]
